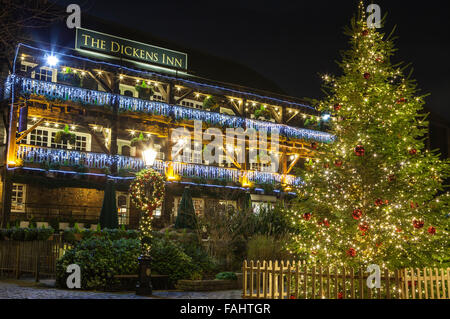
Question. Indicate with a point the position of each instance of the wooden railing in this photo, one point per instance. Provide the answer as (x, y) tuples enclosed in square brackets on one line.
[(36, 258), (297, 280)]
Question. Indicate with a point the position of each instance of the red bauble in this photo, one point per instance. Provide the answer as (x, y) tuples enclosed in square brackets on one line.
[(326, 165), (351, 252), (292, 297), (314, 145), (340, 295), (379, 202), (325, 222), (337, 107), (432, 230), (379, 244), (363, 228), (357, 214), (412, 205), (338, 163), (402, 100), (367, 76), (418, 224), (398, 230), (307, 216), (391, 178), (412, 151), (359, 150), (365, 33)]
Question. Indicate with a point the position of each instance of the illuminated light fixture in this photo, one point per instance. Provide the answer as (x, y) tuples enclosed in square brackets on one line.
[(149, 156), (95, 128), (253, 104), (171, 176), (133, 133), (47, 124), (326, 117), (178, 88), (197, 95), (121, 77), (137, 80), (34, 119), (52, 60), (99, 72), (73, 127), (83, 73), (245, 182), (56, 125)]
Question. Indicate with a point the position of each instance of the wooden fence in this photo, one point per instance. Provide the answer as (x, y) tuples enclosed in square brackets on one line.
[(37, 258), (297, 280)]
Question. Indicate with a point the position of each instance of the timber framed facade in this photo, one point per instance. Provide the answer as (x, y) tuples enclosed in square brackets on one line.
[(107, 111)]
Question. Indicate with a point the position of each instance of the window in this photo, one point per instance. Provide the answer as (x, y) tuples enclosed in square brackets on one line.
[(126, 150), (123, 208), (260, 206), (18, 198), (45, 137), (39, 137), (199, 205), (228, 204), (157, 97), (44, 74)]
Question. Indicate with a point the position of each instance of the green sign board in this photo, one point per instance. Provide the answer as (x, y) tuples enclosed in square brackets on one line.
[(129, 50)]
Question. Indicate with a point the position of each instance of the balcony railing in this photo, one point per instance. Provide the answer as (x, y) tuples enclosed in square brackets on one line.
[(90, 97), (71, 158)]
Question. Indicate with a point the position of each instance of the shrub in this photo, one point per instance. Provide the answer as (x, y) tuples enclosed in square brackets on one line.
[(168, 258), (100, 259), (26, 234), (226, 276), (18, 234), (263, 247)]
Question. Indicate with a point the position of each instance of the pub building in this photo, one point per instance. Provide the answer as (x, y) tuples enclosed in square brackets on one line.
[(85, 115)]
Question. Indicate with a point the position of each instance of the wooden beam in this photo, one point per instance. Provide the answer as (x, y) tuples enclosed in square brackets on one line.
[(31, 129), (184, 96), (97, 139), (100, 81), (293, 164), (37, 66)]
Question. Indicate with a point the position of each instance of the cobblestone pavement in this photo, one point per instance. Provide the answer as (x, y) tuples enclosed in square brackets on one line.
[(29, 290)]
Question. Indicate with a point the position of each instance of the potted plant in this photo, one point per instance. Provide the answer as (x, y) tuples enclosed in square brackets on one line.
[(145, 91), (65, 136), (69, 77), (262, 113), (210, 103)]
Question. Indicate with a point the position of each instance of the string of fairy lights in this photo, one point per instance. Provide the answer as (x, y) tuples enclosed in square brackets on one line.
[(54, 91)]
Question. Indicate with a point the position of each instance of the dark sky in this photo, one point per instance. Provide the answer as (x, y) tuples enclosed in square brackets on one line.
[(291, 42)]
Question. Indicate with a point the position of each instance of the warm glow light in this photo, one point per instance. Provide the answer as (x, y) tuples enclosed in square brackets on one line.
[(149, 156)]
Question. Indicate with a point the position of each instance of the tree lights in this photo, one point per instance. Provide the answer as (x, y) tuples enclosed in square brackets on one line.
[(375, 186)]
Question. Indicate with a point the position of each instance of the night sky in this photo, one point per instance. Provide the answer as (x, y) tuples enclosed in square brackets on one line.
[(292, 42)]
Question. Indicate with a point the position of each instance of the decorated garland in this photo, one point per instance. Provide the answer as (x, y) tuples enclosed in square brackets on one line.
[(147, 191)]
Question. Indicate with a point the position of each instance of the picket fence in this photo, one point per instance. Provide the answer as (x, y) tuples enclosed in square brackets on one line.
[(298, 280)]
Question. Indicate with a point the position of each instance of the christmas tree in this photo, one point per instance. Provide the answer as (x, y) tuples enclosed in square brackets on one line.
[(186, 219), (375, 195)]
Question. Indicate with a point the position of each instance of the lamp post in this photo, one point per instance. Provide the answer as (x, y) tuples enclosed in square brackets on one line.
[(144, 283)]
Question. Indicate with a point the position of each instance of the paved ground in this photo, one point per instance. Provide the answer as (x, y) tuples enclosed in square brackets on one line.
[(27, 289)]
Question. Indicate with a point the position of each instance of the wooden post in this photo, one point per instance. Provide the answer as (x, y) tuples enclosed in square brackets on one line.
[(272, 281), (258, 279), (38, 261), (388, 283), (313, 282), (361, 283), (244, 279), (438, 293), (352, 283), (266, 279), (297, 278), (18, 261), (252, 264), (305, 281)]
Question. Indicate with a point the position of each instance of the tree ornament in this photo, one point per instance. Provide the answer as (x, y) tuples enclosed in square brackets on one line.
[(418, 224), (326, 165), (314, 145), (337, 107), (325, 222), (364, 228), (379, 202), (338, 163), (359, 150), (351, 252), (432, 230), (147, 190), (340, 295), (307, 216), (357, 214), (391, 178), (367, 76), (402, 100), (365, 33), (412, 151)]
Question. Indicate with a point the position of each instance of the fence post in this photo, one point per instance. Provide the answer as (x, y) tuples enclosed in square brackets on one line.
[(388, 283), (18, 261), (258, 279), (244, 284), (38, 260)]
